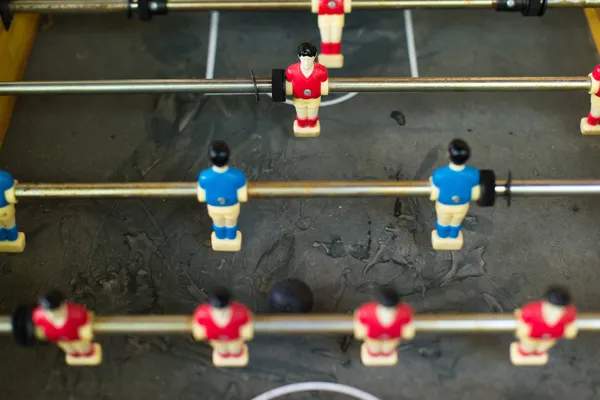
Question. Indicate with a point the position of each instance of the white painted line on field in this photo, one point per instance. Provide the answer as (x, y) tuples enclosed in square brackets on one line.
[(213, 36), (410, 41)]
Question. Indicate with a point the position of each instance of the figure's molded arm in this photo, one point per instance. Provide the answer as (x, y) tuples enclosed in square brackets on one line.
[(39, 333), (289, 89), (408, 331), (476, 192), (523, 330), (595, 85), (201, 193), (314, 6), (242, 193), (325, 88), (435, 191), (248, 331), (198, 331), (360, 331), (571, 331), (347, 6), (10, 194), (86, 332)]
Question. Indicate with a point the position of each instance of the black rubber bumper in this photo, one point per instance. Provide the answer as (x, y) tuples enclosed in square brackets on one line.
[(487, 183), (528, 8), (278, 85)]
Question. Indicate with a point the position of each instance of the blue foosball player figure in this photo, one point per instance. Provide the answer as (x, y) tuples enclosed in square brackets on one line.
[(453, 187), (11, 240), (223, 189)]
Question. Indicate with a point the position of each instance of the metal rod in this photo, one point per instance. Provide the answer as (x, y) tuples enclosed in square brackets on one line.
[(312, 323), (336, 85), (115, 6), (137, 86), (296, 189)]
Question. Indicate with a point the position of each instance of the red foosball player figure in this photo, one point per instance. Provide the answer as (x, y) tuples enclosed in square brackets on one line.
[(226, 325), (382, 325), (541, 324), (70, 326), (591, 124), (331, 24), (307, 81)]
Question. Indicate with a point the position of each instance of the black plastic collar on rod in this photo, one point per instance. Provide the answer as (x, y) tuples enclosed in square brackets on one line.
[(529, 8), (146, 9)]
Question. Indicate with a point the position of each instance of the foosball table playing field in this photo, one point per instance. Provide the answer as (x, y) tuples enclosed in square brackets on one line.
[(292, 199)]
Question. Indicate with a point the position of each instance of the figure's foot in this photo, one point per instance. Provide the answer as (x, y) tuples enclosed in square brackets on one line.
[(331, 60), (231, 360), (308, 131), (226, 244), (13, 246), (379, 360), (439, 243), (91, 359), (587, 129), (519, 358)]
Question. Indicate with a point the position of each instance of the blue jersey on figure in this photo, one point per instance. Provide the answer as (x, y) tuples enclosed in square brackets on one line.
[(9, 233), (221, 186), (455, 186), (6, 182)]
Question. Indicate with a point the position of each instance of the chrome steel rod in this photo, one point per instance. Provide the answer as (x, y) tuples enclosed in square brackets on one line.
[(336, 85), (5, 325), (108, 6), (297, 189), (312, 323), (137, 86)]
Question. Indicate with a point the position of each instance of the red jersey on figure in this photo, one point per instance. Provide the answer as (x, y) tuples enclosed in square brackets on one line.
[(77, 316), (596, 76), (532, 315), (240, 316), (367, 315), (306, 87), (331, 7)]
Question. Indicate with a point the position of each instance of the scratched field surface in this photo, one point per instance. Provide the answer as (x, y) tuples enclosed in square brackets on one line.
[(152, 256)]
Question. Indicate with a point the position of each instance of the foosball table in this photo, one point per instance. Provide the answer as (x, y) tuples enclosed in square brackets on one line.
[(315, 199)]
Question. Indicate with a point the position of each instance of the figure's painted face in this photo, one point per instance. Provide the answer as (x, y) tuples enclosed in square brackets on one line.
[(306, 62)]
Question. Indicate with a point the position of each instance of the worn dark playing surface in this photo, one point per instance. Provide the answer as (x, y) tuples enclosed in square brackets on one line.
[(153, 256)]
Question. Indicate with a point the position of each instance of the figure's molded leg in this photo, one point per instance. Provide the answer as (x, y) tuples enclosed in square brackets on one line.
[(231, 360), (587, 129), (331, 52), (14, 246), (377, 361), (231, 233), (331, 60), (454, 232), (12, 234), (301, 122), (325, 49), (92, 359), (443, 231), (307, 131), (220, 231)]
